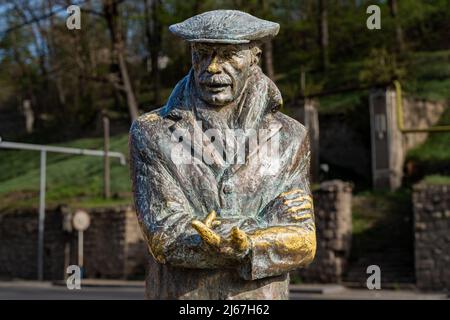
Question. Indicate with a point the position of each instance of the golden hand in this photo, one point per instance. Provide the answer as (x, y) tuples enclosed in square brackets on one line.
[(235, 245)]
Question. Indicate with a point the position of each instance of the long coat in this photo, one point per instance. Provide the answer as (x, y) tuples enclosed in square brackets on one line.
[(169, 195)]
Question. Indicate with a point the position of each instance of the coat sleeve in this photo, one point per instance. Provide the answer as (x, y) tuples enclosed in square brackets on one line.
[(288, 240), (163, 211)]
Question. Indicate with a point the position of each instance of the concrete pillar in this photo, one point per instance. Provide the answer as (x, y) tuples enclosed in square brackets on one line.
[(309, 117), (386, 140)]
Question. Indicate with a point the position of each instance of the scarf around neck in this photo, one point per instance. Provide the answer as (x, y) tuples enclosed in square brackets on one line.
[(260, 97)]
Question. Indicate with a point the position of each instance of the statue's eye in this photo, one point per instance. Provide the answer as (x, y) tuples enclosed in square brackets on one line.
[(230, 53), (200, 54), (203, 52)]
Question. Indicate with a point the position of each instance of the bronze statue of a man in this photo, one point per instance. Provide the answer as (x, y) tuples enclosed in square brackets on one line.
[(219, 227)]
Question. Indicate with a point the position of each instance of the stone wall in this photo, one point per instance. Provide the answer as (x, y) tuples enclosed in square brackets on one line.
[(419, 113), (18, 244), (432, 236), (333, 216), (113, 246)]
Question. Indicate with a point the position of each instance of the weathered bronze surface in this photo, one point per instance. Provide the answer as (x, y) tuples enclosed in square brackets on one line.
[(221, 229)]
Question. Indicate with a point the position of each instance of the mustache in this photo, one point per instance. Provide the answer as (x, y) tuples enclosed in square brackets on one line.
[(215, 79)]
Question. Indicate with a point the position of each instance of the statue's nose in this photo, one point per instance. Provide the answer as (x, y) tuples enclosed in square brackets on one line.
[(213, 67)]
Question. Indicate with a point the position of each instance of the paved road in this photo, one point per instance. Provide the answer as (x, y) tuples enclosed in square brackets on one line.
[(27, 290), (122, 290), (361, 294)]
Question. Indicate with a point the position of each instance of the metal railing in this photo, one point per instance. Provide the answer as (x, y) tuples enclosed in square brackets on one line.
[(43, 164)]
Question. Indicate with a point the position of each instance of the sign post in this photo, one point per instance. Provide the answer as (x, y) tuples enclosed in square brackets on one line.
[(41, 223), (81, 222), (43, 150)]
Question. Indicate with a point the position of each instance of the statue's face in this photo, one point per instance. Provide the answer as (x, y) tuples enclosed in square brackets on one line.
[(221, 70)]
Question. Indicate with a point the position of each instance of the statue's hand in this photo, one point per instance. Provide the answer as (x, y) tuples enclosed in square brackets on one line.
[(235, 246), (295, 204), (210, 220), (205, 231)]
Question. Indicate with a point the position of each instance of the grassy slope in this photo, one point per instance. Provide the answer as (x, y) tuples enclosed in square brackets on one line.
[(381, 220), (433, 156), (372, 207), (78, 179), (437, 179), (428, 77), (70, 178), (432, 81)]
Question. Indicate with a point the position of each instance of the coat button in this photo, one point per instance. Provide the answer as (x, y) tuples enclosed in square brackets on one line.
[(227, 189)]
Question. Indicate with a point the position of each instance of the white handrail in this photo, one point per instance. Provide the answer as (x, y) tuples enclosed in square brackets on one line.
[(38, 147), (43, 150)]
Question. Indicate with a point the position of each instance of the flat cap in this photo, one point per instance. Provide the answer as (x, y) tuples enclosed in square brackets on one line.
[(224, 26)]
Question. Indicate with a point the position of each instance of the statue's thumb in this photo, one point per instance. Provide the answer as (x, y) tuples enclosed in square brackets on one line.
[(207, 235), (239, 239)]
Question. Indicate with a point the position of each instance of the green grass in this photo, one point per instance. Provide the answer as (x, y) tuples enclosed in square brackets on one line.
[(437, 179), (429, 75), (70, 178), (341, 103), (433, 156), (381, 218), (435, 149), (78, 179), (370, 207)]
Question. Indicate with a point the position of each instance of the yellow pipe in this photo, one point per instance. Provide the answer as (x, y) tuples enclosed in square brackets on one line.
[(399, 108)]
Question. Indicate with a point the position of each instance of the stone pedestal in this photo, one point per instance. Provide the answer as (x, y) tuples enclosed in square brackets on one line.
[(166, 282), (333, 216)]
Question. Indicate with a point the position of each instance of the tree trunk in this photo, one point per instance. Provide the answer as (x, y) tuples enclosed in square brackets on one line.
[(268, 59), (129, 93), (393, 6), (52, 44), (118, 65), (153, 31), (323, 34)]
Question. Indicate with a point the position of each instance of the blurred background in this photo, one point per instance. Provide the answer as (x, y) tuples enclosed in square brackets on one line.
[(376, 103)]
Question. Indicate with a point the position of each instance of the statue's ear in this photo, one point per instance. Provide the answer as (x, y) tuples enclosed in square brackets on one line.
[(256, 54)]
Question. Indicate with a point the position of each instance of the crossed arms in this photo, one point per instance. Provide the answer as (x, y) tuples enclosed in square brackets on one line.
[(281, 239)]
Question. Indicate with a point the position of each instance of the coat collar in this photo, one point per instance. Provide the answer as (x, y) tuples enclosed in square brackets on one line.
[(260, 98)]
